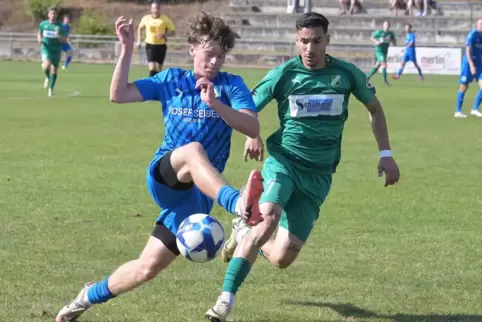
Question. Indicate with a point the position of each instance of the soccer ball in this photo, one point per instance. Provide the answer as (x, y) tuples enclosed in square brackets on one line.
[(200, 238)]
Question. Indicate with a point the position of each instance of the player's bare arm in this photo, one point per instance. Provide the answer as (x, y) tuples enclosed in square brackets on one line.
[(386, 164), (374, 40), (468, 53), (39, 37), (242, 120), (139, 33), (121, 91)]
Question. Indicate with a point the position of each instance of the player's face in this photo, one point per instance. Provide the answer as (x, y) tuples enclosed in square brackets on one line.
[(386, 26), (408, 28), (312, 44), (208, 58), (479, 25), (66, 20), (52, 15), (155, 10)]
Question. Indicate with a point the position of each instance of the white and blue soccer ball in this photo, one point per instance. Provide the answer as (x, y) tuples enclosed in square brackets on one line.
[(200, 238)]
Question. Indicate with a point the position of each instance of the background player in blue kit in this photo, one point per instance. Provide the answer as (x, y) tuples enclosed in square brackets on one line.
[(409, 53), (471, 70), (200, 108), (67, 48)]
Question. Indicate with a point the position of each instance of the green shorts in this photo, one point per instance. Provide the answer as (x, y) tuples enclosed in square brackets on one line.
[(299, 193), (53, 56), (381, 57)]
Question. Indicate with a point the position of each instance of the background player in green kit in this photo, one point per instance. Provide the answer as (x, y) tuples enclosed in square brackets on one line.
[(51, 35), (312, 92), (382, 39)]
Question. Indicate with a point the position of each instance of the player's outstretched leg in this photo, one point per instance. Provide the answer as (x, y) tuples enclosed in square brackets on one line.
[(154, 258), (384, 74), (46, 68), (191, 164), (374, 70), (250, 242), (478, 99), (67, 60), (399, 72), (419, 70), (460, 101)]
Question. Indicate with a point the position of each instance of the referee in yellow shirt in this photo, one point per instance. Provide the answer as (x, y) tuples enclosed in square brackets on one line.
[(157, 27)]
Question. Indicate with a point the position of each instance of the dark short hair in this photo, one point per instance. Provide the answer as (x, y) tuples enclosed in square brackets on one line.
[(206, 27), (53, 9), (409, 25), (312, 20)]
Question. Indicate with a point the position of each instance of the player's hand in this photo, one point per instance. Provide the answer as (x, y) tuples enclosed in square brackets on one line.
[(254, 148), (388, 166), (403, 50), (125, 31), (207, 90), (473, 70)]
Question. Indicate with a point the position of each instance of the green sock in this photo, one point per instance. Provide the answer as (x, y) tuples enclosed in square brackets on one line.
[(53, 78), (237, 271), (384, 74), (47, 72), (374, 70)]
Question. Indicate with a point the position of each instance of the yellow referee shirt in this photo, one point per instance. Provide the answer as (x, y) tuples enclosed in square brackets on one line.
[(155, 27)]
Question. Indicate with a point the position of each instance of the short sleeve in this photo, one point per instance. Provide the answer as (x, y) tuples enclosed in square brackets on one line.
[(151, 88), (393, 38), (412, 37), (376, 34), (240, 95), (265, 90), (170, 26), (470, 40), (364, 91), (142, 24)]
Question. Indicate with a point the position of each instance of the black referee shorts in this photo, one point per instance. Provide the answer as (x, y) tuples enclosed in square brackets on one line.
[(156, 53)]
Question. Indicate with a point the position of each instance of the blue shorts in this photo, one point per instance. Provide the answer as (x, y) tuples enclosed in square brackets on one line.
[(176, 205), (66, 47), (466, 76), (409, 56)]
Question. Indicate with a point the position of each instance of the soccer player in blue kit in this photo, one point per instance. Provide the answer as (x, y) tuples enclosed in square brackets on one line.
[(409, 53), (471, 70), (200, 108), (66, 48)]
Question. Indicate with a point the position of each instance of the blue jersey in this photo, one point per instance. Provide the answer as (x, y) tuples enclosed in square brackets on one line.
[(66, 28), (410, 38), (188, 119), (474, 41)]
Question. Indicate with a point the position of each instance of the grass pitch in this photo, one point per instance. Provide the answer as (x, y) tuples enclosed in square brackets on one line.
[(74, 206)]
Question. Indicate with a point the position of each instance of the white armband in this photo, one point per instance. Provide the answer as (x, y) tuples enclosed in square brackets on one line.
[(385, 153)]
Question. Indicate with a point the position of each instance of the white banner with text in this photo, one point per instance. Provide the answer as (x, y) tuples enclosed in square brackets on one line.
[(433, 61)]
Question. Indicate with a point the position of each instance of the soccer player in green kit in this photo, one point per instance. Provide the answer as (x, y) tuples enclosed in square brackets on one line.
[(51, 35), (382, 39), (312, 92)]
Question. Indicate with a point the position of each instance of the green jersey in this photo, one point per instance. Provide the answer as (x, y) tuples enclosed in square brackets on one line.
[(50, 33), (384, 38), (312, 110)]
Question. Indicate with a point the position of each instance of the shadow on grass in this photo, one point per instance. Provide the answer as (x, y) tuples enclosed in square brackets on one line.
[(352, 311)]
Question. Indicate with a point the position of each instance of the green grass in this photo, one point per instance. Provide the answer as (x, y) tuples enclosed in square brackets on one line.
[(74, 206)]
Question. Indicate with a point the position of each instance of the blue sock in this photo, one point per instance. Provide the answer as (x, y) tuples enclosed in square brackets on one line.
[(478, 100), (460, 101), (400, 71), (67, 61), (227, 198), (99, 292)]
